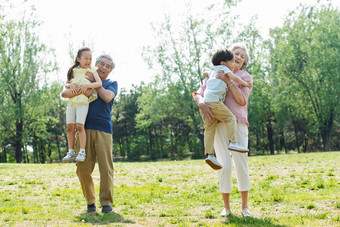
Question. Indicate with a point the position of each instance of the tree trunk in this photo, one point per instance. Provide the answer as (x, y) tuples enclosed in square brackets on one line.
[(270, 136), (58, 146), (296, 136), (18, 140), (42, 152), (283, 141), (325, 134), (305, 144), (4, 155)]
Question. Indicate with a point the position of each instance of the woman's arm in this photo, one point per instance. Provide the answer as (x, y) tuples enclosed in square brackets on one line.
[(237, 93)]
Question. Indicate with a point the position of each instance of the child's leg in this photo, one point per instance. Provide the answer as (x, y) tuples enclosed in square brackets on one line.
[(70, 135), (70, 120), (82, 143), (81, 116), (82, 135), (223, 114), (209, 135)]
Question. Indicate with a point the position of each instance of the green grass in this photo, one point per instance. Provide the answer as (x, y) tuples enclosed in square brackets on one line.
[(287, 190)]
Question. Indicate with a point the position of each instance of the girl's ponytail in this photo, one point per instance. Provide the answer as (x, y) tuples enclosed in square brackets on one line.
[(76, 63)]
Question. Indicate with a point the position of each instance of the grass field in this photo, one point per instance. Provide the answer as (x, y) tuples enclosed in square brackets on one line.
[(287, 190)]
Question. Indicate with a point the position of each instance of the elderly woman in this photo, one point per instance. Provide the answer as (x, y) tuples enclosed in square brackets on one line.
[(236, 100)]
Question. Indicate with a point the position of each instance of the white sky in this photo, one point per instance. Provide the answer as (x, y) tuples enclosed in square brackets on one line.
[(122, 27)]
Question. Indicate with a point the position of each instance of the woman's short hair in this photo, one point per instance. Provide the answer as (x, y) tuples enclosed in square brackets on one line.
[(243, 47)]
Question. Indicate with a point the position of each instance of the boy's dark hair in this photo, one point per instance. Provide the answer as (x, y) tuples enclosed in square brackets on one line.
[(76, 63), (221, 55)]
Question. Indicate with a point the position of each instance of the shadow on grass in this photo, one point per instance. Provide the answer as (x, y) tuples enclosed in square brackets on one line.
[(101, 219), (241, 221)]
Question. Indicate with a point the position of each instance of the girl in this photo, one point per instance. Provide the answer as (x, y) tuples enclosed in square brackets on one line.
[(78, 105)]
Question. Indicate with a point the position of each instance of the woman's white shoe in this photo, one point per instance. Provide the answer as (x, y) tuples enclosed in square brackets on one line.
[(246, 213), (225, 213)]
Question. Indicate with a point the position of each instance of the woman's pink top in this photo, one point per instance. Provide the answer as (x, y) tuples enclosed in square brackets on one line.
[(240, 112)]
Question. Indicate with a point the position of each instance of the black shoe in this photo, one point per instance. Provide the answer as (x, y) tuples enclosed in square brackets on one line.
[(91, 208), (106, 209)]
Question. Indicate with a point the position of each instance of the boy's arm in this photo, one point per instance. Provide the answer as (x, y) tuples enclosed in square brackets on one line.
[(238, 96), (239, 80)]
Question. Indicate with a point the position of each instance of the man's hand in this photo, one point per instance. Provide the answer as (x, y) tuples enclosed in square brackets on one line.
[(82, 89), (90, 77), (73, 89)]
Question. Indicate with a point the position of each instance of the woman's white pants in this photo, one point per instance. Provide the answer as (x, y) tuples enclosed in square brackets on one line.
[(224, 157)]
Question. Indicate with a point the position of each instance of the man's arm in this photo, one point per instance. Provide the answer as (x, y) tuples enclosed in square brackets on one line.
[(105, 95), (108, 93), (68, 93)]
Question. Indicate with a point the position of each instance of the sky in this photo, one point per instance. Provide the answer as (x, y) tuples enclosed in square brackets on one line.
[(121, 28)]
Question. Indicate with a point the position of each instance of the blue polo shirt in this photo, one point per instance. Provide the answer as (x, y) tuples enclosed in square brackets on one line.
[(99, 115)]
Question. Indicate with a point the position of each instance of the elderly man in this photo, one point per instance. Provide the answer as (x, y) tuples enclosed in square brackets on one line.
[(98, 128)]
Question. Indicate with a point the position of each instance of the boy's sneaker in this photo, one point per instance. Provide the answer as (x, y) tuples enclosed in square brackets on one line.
[(212, 162), (237, 147), (81, 157), (70, 156), (106, 209), (91, 208)]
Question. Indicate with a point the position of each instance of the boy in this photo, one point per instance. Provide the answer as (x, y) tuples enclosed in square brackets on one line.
[(214, 94)]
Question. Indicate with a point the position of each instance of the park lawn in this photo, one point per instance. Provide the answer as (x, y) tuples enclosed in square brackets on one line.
[(287, 190)]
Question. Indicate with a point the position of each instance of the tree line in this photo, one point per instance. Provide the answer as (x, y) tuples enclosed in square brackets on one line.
[(293, 105)]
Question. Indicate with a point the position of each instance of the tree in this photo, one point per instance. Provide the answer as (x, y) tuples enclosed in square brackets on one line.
[(22, 63), (182, 56), (307, 58)]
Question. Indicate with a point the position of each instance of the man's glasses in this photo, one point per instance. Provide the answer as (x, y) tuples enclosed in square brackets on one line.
[(102, 64)]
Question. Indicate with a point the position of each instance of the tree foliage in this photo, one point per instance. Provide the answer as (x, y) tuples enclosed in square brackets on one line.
[(293, 105), (306, 60)]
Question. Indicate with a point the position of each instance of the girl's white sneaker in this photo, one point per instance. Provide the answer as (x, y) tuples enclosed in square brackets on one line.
[(70, 156), (81, 157)]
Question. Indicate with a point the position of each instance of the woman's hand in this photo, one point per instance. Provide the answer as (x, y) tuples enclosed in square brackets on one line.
[(250, 85), (207, 114)]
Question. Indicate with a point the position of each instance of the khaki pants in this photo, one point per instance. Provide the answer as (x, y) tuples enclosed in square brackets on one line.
[(223, 114), (98, 147)]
